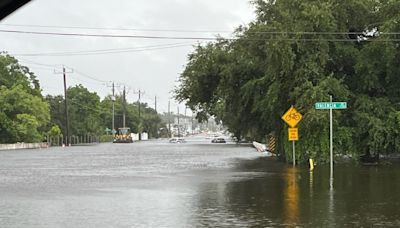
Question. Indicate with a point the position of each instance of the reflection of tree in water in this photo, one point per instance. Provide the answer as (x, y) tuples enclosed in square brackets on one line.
[(250, 202), (279, 195)]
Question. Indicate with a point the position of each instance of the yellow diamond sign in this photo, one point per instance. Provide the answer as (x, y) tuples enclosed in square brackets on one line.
[(292, 117)]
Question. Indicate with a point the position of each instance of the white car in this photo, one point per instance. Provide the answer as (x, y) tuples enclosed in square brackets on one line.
[(177, 140)]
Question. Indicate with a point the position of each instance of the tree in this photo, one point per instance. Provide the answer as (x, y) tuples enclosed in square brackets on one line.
[(298, 53), (23, 112), (84, 111)]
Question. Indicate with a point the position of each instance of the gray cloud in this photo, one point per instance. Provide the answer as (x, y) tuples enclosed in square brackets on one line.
[(153, 71)]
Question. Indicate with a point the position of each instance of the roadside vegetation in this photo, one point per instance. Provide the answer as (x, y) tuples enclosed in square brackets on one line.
[(27, 116), (299, 52)]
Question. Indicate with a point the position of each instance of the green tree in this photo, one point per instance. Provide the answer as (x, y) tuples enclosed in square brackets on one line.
[(297, 53), (22, 114), (57, 112), (84, 111)]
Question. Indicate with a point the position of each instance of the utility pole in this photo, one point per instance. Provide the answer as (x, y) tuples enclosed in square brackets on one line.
[(155, 108), (113, 109), (66, 106), (192, 124), (140, 120), (169, 118), (185, 120), (124, 107), (155, 103), (113, 98), (179, 133), (64, 72)]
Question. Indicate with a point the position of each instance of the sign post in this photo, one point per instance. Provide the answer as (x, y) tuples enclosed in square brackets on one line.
[(293, 134), (292, 117), (331, 139), (331, 105)]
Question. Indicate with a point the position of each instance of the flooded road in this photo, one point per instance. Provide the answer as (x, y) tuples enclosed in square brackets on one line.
[(196, 184)]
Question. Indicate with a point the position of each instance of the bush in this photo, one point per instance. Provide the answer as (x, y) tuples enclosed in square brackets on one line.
[(106, 138)]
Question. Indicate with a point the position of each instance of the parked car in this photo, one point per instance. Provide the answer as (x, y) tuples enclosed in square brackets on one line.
[(218, 140)]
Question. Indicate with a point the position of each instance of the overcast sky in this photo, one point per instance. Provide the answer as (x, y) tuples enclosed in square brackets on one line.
[(153, 71)]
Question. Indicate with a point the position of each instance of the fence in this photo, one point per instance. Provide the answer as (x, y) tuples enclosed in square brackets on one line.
[(73, 140)]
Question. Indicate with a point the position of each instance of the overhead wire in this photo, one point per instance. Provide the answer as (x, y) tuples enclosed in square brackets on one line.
[(116, 29), (107, 51), (209, 38), (189, 30)]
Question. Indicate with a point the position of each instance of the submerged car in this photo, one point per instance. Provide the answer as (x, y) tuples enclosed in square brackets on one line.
[(177, 140), (218, 140)]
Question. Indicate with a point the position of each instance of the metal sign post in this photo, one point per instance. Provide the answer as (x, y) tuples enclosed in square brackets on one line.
[(331, 105), (292, 117), (331, 137), (294, 154)]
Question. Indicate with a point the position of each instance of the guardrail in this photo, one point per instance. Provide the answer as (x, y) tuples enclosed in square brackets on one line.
[(17, 146)]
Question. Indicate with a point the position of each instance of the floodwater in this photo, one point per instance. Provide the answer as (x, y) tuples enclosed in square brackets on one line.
[(196, 184)]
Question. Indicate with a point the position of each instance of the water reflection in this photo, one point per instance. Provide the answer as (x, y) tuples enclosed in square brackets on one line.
[(331, 206), (291, 197), (311, 187), (202, 185)]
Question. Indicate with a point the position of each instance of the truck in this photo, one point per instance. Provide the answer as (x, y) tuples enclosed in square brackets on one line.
[(123, 135)]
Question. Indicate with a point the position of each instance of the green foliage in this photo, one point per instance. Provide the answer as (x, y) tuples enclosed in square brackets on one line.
[(23, 112), (106, 138), (298, 53), (21, 115), (149, 120), (83, 111), (54, 131)]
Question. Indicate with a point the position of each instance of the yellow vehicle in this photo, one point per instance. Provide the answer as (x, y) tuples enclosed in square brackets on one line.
[(123, 135)]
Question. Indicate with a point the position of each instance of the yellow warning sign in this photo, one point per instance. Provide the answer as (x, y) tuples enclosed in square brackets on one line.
[(293, 134), (292, 117)]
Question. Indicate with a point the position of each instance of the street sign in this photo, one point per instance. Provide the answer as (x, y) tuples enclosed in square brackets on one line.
[(331, 105), (293, 134), (292, 117)]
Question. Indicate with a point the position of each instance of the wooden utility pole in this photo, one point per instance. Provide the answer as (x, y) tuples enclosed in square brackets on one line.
[(124, 107), (169, 119), (67, 142), (179, 133), (140, 119), (113, 110), (64, 72), (155, 103)]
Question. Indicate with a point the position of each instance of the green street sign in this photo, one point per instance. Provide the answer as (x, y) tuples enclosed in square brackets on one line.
[(331, 105)]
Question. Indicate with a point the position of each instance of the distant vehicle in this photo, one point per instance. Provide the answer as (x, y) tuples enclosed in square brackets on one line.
[(177, 140), (123, 135), (218, 140)]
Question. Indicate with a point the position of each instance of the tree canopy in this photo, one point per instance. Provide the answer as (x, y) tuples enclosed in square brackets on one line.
[(298, 52), (23, 111)]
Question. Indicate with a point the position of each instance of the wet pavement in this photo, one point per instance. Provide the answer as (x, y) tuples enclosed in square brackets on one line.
[(193, 184)]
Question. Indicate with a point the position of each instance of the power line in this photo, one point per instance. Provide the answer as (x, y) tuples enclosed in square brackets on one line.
[(212, 38), (57, 65), (40, 64), (107, 51), (117, 29), (77, 79), (88, 76), (185, 30), (107, 35)]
